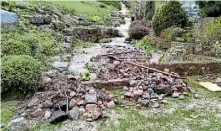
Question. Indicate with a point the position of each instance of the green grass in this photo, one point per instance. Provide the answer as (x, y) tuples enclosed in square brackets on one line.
[(199, 118), (45, 127), (7, 112), (91, 10)]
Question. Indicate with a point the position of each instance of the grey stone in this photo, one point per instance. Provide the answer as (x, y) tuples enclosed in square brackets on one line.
[(181, 97), (58, 116), (59, 25), (60, 65), (47, 104), (18, 124), (144, 102), (47, 19), (34, 101), (146, 96), (51, 73), (91, 98), (175, 94), (133, 83), (47, 114), (218, 81), (74, 113), (155, 105), (162, 89), (150, 91), (37, 19), (67, 32), (196, 96), (37, 113)]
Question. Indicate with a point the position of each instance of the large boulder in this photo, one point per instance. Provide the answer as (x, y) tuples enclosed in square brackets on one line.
[(9, 20)]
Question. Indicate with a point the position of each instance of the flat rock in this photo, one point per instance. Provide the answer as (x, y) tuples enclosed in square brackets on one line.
[(133, 83), (37, 113), (175, 94), (72, 103), (138, 93), (60, 65), (18, 124), (155, 105), (128, 94), (58, 116), (47, 104), (144, 102), (34, 101)]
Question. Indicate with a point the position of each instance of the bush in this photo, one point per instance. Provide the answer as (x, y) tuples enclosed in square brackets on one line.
[(146, 45), (210, 8), (171, 33), (20, 73), (213, 30), (139, 29), (171, 14)]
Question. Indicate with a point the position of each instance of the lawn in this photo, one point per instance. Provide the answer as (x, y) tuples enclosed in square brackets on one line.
[(92, 10)]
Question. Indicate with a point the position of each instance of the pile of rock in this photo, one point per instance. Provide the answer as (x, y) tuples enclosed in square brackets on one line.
[(65, 98)]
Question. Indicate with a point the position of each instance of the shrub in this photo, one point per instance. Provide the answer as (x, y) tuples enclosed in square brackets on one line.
[(146, 45), (210, 8), (139, 29), (171, 33), (171, 14), (20, 73), (213, 30)]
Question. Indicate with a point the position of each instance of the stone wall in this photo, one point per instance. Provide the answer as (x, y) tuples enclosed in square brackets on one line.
[(190, 68)]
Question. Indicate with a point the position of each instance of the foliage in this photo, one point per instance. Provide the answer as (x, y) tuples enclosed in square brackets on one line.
[(86, 76), (146, 45), (20, 73), (171, 14), (104, 40), (7, 112), (210, 8), (213, 29), (171, 33), (149, 9), (139, 29)]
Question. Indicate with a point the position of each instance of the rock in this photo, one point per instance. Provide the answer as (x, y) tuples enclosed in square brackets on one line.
[(67, 32), (175, 94), (91, 98), (150, 91), (59, 25), (37, 19), (181, 97), (156, 105), (196, 96), (18, 124), (82, 110), (92, 91), (162, 89), (166, 70), (116, 62), (125, 88), (146, 96), (144, 102), (38, 112), (47, 114), (34, 101), (51, 73), (72, 94), (58, 116), (164, 101), (133, 83), (60, 65), (128, 94), (119, 34), (9, 20), (22, 5), (218, 81), (138, 93), (111, 104), (138, 106), (74, 113), (47, 104), (46, 80), (47, 19), (93, 111), (72, 103)]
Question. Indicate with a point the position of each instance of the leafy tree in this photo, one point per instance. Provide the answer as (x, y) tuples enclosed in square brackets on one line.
[(171, 14)]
